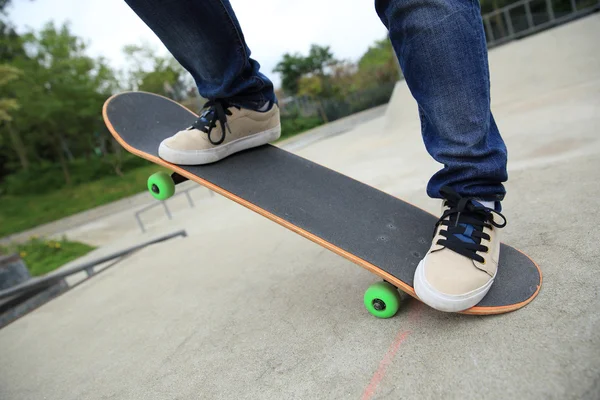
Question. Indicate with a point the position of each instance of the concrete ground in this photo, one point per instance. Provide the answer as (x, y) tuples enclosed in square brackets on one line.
[(244, 308)]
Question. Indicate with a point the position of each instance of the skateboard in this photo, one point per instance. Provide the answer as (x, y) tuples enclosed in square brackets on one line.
[(379, 232)]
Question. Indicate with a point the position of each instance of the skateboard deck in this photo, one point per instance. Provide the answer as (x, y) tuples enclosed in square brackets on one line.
[(373, 229)]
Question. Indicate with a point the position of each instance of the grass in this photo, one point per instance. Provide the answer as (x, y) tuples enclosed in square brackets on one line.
[(292, 126), (43, 256), (21, 212)]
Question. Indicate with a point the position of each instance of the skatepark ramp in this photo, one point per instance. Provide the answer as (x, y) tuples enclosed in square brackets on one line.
[(558, 58)]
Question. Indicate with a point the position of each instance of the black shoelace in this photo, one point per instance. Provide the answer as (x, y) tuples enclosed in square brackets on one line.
[(465, 221), (216, 111)]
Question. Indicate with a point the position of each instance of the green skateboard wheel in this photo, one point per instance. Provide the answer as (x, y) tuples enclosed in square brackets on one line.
[(161, 185), (382, 300)]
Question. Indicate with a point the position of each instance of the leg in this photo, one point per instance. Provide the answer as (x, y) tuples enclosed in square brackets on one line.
[(442, 51), (206, 38)]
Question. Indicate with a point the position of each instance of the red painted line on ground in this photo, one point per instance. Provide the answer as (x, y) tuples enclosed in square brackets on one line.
[(387, 360), (414, 316)]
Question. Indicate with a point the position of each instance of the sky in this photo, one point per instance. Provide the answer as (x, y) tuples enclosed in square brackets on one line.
[(271, 27)]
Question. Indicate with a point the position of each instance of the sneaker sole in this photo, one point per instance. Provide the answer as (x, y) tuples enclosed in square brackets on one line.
[(198, 157), (445, 302)]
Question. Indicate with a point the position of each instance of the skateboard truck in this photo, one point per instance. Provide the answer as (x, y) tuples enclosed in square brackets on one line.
[(177, 179)]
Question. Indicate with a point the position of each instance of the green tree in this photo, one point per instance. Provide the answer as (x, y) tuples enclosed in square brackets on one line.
[(60, 91), (7, 74), (312, 86), (343, 78), (161, 75), (379, 54), (7, 107), (378, 65), (319, 59), (11, 47), (291, 67)]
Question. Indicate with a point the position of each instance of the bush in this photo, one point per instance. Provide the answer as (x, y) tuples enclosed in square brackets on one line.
[(294, 124), (358, 101), (45, 178)]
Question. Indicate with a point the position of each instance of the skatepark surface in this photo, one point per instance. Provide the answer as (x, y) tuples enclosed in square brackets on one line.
[(244, 309)]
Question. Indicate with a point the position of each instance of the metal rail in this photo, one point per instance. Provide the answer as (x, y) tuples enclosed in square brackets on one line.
[(36, 284), (509, 23), (165, 206)]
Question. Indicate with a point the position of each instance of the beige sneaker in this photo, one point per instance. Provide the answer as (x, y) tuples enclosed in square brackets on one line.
[(460, 267), (221, 130)]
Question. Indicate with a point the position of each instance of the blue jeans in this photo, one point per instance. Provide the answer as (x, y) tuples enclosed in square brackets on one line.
[(442, 52)]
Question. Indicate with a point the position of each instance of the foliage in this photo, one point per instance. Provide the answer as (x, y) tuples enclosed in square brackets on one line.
[(51, 96), (336, 88), (7, 105), (9, 47), (47, 177), (319, 75), (293, 67), (311, 85), (293, 124), (42, 256), (318, 59), (155, 74), (357, 101), (378, 65), (57, 77), (344, 79)]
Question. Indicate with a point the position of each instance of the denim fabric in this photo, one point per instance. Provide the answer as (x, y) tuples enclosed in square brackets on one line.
[(205, 37), (442, 51), (443, 54)]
